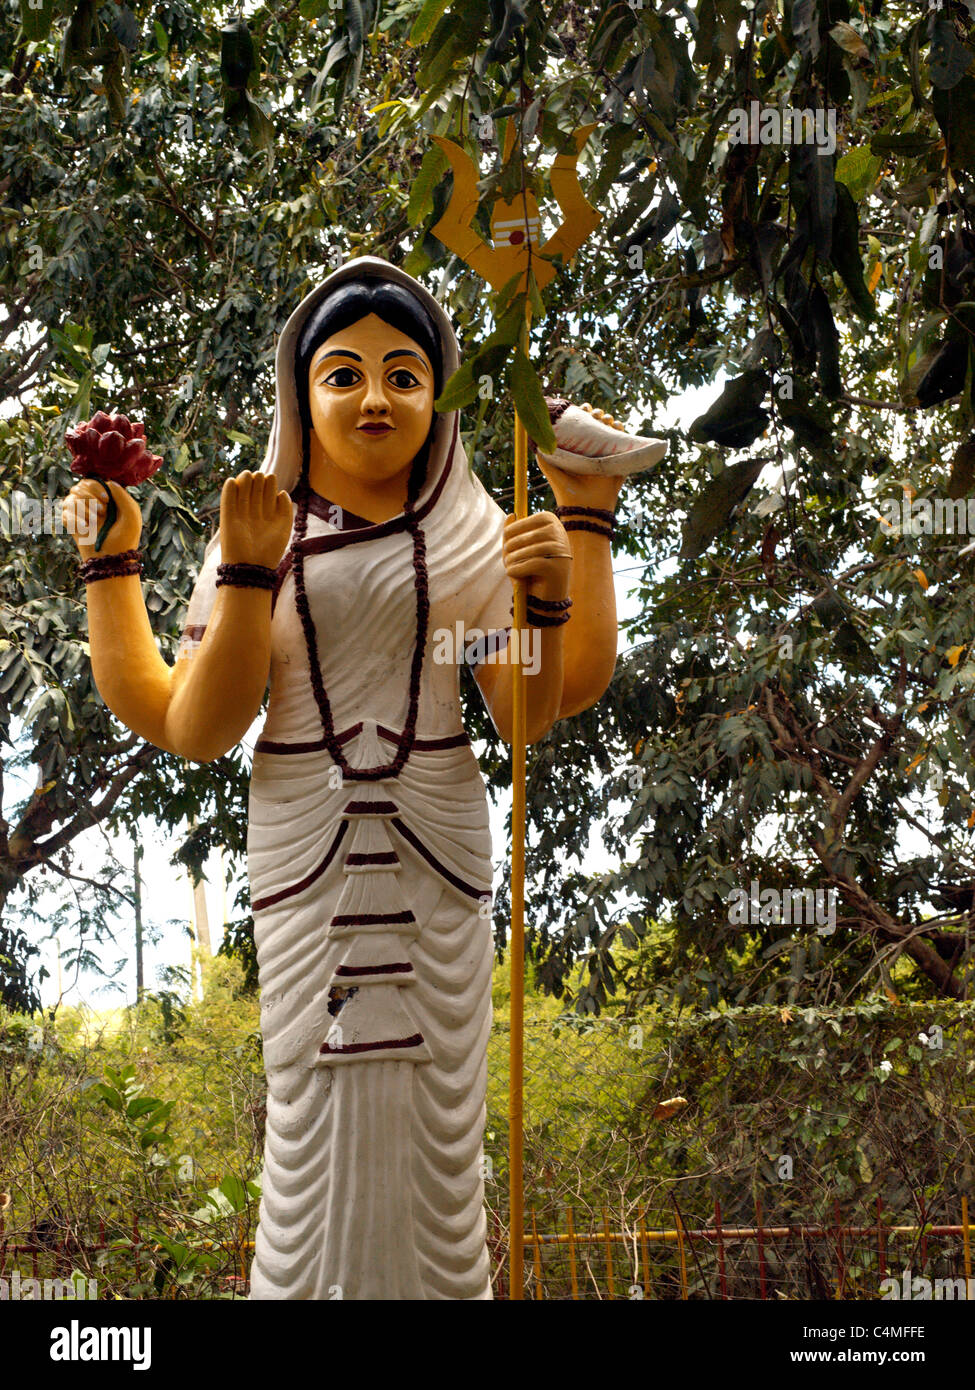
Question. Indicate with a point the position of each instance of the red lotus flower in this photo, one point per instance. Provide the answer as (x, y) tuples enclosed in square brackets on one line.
[(111, 447)]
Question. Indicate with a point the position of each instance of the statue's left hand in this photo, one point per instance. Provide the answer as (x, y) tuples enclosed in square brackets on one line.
[(255, 520), (584, 489), (536, 550)]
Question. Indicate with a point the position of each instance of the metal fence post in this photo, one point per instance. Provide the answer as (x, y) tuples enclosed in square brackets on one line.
[(881, 1243), (840, 1254), (537, 1258), (645, 1252), (572, 1252), (722, 1281), (682, 1256)]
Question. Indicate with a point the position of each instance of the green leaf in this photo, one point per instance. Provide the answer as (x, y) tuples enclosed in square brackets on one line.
[(421, 199), (74, 352), (260, 128), (35, 21), (313, 9), (236, 54), (455, 39), (858, 170), (82, 399), (112, 1097), (713, 508), (530, 403), (845, 253), (735, 419), (234, 1191), (615, 143), (534, 297), (459, 390), (950, 58), (426, 21), (162, 38), (506, 298), (143, 1106)]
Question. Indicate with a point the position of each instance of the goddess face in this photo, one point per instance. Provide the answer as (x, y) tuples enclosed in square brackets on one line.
[(370, 395)]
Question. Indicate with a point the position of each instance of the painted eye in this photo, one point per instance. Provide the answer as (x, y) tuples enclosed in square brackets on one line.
[(403, 379), (342, 376)]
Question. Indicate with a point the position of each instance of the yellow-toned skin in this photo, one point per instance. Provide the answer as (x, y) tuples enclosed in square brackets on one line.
[(201, 707)]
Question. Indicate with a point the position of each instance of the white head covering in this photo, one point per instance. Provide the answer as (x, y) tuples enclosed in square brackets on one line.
[(283, 456)]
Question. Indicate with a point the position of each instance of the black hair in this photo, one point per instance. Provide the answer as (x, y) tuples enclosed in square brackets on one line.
[(345, 305)]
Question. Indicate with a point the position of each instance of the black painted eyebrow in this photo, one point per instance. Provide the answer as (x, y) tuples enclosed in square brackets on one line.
[(337, 352), (404, 352)]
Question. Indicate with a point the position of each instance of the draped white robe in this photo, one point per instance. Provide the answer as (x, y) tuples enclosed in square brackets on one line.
[(371, 899)]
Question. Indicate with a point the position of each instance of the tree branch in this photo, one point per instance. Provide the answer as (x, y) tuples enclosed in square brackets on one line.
[(38, 851), (177, 207), (91, 882), (18, 311), (839, 803)]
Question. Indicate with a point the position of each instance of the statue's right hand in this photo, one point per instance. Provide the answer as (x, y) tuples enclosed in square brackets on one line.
[(84, 510), (255, 520)]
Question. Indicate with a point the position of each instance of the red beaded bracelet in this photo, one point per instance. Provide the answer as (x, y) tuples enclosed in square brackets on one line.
[(245, 576), (111, 566), (603, 523), (547, 612)]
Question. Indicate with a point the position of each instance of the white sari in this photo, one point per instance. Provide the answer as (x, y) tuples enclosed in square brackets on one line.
[(371, 897)]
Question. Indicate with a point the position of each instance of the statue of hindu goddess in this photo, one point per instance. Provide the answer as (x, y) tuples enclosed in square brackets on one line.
[(334, 575)]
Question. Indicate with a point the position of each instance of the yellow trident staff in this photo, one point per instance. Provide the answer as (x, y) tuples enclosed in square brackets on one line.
[(515, 231)]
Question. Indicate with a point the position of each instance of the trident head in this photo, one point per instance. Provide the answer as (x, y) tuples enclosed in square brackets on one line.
[(515, 226)]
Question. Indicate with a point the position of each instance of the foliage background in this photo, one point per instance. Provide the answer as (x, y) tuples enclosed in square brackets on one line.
[(795, 705), (796, 697), (130, 1142)]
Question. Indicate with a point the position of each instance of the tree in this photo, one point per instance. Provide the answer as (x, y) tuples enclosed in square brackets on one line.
[(174, 176)]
